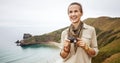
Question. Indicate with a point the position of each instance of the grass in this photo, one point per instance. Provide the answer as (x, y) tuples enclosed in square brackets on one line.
[(107, 51), (113, 59)]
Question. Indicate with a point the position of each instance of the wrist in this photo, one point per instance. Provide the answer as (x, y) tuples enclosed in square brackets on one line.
[(63, 54), (66, 49), (86, 47)]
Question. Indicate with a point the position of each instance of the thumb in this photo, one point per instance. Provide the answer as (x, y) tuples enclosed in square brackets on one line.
[(67, 40), (78, 39)]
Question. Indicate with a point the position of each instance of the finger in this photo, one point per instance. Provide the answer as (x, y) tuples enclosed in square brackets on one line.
[(82, 44), (67, 40), (77, 43), (79, 39)]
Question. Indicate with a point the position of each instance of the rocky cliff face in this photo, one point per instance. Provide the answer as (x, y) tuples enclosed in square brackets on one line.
[(26, 35), (27, 40)]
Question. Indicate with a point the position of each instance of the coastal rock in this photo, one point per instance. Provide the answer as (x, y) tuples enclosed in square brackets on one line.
[(28, 39), (26, 42), (17, 42), (26, 35)]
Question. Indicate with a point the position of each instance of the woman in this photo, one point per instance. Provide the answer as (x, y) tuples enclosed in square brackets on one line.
[(79, 40)]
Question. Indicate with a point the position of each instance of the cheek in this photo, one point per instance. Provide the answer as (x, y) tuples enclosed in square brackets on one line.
[(69, 16), (80, 14)]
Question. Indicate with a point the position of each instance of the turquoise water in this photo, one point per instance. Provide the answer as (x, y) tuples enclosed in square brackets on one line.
[(29, 54), (11, 53)]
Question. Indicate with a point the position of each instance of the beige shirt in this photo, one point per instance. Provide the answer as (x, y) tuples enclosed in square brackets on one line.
[(80, 56)]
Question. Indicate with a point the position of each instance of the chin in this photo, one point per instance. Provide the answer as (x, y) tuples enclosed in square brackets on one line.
[(75, 21)]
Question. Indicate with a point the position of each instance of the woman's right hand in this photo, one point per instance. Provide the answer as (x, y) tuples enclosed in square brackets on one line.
[(67, 45), (66, 49)]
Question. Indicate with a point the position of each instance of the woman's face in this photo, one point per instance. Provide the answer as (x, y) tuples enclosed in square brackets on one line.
[(74, 13)]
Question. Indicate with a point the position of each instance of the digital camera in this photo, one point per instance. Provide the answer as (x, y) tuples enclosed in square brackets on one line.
[(72, 39)]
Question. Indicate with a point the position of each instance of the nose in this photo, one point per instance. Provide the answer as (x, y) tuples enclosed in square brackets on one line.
[(73, 13)]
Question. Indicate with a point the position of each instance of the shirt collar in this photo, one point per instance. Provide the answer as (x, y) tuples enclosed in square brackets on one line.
[(85, 26)]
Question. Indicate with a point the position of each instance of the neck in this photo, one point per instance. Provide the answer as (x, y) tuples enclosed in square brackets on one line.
[(76, 24)]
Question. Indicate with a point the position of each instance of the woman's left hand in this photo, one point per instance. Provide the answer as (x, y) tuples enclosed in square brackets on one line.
[(80, 43)]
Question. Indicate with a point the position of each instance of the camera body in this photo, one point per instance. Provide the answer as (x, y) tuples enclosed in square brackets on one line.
[(72, 39)]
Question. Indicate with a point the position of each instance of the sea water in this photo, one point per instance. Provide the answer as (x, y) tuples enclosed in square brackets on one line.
[(11, 53)]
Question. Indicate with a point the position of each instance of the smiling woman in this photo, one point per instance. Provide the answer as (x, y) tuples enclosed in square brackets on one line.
[(79, 42)]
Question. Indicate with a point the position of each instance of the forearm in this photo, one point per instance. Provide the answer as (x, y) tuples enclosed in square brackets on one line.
[(89, 50)]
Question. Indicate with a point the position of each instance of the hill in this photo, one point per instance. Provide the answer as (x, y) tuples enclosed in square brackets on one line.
[(108, 36)]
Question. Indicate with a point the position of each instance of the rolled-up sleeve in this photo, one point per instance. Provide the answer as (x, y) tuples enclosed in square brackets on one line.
[(63, 37), (94, 44)]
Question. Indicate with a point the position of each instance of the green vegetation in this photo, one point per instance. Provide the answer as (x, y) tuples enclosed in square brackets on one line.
[(53, 36), (108, 36), (107, 51), (113, 59)]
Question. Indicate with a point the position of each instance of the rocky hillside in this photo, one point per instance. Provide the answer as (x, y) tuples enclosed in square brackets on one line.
[(108, 36)]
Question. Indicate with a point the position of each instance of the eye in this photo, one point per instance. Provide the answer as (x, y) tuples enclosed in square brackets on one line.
[(70, 11), (76, 11)]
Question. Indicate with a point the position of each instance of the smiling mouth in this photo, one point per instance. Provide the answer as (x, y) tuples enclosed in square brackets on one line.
[(74, 17)]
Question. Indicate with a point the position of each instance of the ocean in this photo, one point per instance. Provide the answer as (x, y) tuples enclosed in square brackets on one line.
[(11, 53)]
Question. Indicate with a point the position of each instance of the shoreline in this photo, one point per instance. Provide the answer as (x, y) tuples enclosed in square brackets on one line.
[(55, 44)]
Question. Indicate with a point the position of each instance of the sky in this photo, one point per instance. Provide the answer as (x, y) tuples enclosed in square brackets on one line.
[(51, 14)]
